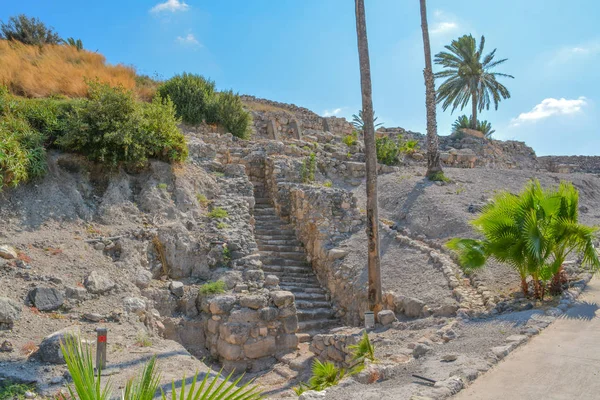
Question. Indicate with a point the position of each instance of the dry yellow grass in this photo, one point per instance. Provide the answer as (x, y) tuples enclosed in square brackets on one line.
[(34, 71)]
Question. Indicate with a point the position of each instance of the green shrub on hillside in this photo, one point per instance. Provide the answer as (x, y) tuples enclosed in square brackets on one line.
[(231, 115), (111, 127), (387, 150), (192, 95), (28, 30), (22, 154)]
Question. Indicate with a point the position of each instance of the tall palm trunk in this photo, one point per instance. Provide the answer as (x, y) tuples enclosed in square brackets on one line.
[(474, 109), (433, 155), (374, 293)]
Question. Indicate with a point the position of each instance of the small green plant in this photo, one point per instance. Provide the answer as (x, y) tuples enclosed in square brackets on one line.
[(328, 183), (211, 288), (226, 254), (218, 213), (308, 169), (210, 389), (222, 225), (145, 385), (460, 189), (351, 140), (202, 199), (324, 375), (162, 186), (218, 174), (387, 150), (86, 381), (438, 177), (409, 147), (364, 349), (77, 43), (358, 123), (11, 390), (348, 155), (143, 340)]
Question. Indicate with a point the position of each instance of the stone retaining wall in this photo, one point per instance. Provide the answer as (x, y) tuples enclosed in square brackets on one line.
[(335, 347)]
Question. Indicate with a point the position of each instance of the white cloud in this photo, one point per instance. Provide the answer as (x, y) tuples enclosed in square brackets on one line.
[(332, 113), (569, 53), (551, 107), (443, 27), (188, 40), (170, 5), (442, 23)]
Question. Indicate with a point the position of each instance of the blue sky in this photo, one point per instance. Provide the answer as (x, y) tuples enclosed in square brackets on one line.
[(304, 52)]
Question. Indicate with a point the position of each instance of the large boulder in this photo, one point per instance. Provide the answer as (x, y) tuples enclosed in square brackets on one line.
[(134, 305), (50, 347), (46, 299), (99, 283), (10, 311)]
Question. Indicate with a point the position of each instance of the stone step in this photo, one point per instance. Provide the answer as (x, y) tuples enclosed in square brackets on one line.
[(297, 286), (284, 262), (287, 270), (303, 304), (261, 233), (260, 213), (301, 289), (315, 325), (275, 238), (268, 219), (262, 200), (286, 255), (298, 280), (315, 314), (279, 242), (311, 296), (285, 248)]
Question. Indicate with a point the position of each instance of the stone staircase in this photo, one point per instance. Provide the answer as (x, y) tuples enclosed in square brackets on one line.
[(284, 256)]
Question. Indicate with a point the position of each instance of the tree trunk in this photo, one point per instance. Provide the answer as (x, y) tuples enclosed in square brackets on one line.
[(374, 293), (434, 164), (558, 279), (524, 286), (474, 110)]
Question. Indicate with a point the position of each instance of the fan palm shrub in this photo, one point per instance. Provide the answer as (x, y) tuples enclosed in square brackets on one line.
[(533, 232), (470, 77), (464, 122), (87, 383)]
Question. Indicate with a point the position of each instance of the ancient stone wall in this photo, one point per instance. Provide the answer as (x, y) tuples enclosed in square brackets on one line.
[(245, 330), (280, 121), (466, 150), (568, 164)]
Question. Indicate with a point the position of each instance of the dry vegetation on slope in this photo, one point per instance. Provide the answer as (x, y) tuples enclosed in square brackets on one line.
[(34, 71)]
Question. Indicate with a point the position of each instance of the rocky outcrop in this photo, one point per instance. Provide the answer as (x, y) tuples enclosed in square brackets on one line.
[(568, 164)]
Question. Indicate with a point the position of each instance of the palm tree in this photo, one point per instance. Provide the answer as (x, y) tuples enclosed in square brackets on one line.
[(469, 77), (434, 165), (533, 232), (374, 291), (358, 123)]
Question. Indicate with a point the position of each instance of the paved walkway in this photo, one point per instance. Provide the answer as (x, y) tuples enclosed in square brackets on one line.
[(563, 362)]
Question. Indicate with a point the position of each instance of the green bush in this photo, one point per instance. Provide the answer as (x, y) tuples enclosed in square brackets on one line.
[(209, 288), (308, 169), (28, 30), (111, 127), (193, 96), (230, 114), (324, 375), (409, 147), (22, 154), (387, 150), (464, 122), (351, 140)]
